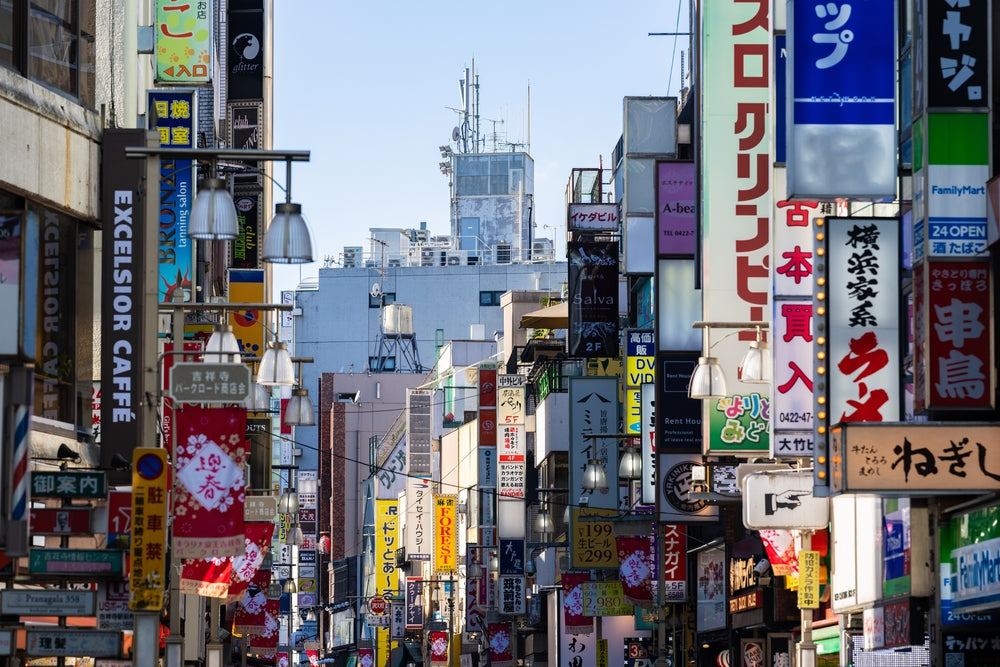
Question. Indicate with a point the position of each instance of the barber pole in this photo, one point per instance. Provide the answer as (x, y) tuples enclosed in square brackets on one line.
[(22, 423)]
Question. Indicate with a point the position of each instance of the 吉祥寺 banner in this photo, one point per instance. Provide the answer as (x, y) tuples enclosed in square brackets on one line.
[(208, 482)]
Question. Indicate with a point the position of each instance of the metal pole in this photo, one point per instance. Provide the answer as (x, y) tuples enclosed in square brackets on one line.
[(661, 586), (175, 642), (451, 620), (146, 631), (807, 649)]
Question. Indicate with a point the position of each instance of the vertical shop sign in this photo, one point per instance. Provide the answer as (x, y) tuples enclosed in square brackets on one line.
[(952, 350), (593, 299), (183, 34), (171, 115), (842, 59), (418, 431), (511, 437)]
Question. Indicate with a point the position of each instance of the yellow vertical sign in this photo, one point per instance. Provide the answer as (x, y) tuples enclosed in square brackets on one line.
[(602, 653), (809, 579), (149, 529), (247, 286), (386, 580), (386, 543), (445, 536)]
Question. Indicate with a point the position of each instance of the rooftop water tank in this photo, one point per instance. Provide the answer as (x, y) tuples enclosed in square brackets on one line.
[(397, 319)]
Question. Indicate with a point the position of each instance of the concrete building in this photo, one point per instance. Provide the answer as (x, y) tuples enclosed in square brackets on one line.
[(346, 324)]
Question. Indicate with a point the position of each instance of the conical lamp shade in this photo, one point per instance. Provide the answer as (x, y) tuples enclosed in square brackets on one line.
[(213, 215), (594, 477), (287, 240), (708, 381), (756, 365), (299, 410), (276, 366), (222, 346), (630, 467)]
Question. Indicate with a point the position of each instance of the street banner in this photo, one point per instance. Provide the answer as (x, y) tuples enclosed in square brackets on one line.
[(245, 567), (208, 482)]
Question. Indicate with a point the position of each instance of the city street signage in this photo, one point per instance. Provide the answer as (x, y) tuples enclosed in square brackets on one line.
[(7, 642), (70, 562), (89, 643), (397, 621), (377, 620), (907, 458), (68, 484), (593, 541), (150, 515), (15, 602), (377, 605), (783, 500), (605, 598), (60, 521), (260, 508), (202, 382), (113, 612)]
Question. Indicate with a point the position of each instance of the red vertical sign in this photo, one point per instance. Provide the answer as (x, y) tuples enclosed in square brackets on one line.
[(952, 336)]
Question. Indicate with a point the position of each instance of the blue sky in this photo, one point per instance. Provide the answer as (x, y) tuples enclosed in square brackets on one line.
[(366, 86)]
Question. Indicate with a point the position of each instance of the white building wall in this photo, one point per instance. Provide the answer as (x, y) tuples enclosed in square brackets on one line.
[(337, 329)]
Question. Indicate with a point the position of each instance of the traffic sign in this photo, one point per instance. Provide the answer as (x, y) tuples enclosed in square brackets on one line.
[(377, 605), (202, 382)]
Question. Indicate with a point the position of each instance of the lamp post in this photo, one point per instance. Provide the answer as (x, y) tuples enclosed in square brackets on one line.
[(213, 218), (451, 613)]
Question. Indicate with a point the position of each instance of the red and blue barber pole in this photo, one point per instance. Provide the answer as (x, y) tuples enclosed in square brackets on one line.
[(15, 397), (19, 467)]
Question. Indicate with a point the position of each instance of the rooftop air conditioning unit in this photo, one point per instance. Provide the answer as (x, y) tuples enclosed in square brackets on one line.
[(503, 253), (352, 255), (427, 257), (454, 258), (395, 263)]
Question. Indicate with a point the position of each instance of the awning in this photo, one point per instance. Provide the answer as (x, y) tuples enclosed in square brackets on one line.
[(407, 654), (553, 317)]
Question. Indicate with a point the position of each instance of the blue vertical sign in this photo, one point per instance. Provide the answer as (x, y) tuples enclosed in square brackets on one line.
[(780, 98), (171, 115), (843, 111)]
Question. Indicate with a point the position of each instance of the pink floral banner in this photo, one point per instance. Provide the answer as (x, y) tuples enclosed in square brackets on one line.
[(251, 613), (209, 492), (637, 569), (366, 657), (266, 642), (575, 623), (207, 578), (501, 650), (780, 547), (439, 648), (313, 657), (257, 539)]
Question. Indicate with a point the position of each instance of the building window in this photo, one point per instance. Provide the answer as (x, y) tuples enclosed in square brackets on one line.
[(380, 299), (51, 42), (382, 364), (490, 298)]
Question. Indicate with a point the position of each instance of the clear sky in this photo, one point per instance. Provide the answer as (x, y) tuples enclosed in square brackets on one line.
[(366, 87)]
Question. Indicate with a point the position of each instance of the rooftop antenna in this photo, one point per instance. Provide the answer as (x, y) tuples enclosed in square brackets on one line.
[(475, 108)]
